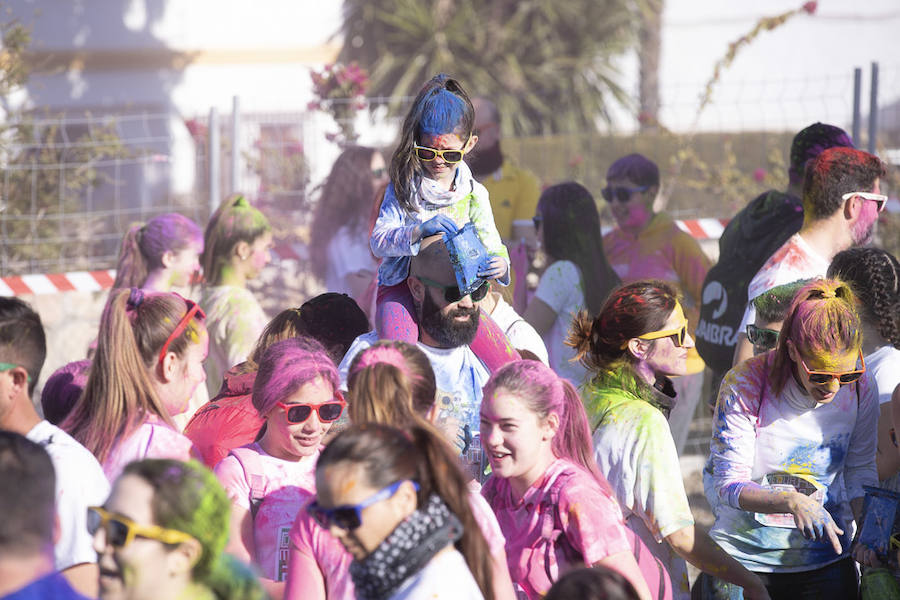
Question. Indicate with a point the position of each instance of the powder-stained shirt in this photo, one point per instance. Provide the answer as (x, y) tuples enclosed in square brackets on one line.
[(660, 251), (284, 486), (153, 439), (234, 320), (458, 373), (794, 260), (562, 289), (793, 438), (634, 448), (588, 517), (392, 235), (319, 565)]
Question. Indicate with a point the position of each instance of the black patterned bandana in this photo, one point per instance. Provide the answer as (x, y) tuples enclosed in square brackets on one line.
[(406, 551)]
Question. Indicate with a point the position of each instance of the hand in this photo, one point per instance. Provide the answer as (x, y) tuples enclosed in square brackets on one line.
[(756, 592), (495, 269), (438, 224), (814, 522)]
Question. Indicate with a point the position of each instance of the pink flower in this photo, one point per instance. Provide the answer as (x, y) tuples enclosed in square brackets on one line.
[(810, 7), (759, 175)]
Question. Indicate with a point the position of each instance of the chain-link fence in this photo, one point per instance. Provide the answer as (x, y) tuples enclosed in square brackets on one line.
[(71, 186)]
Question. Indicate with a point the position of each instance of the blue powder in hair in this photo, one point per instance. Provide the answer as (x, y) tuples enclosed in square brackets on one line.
[(442, 112)]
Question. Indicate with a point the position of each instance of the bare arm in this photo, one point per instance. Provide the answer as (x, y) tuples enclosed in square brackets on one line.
[(502, 582), (625, 564), (540, 315), (240, 540), (887, 458), (695, 546)]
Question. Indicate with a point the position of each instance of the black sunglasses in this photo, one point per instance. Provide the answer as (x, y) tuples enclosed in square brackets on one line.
[(452, 293), (764, 338), (622, 194)]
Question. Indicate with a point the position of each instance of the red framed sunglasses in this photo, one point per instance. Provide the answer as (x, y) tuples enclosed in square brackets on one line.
[(192, 309), (328, 412), (845, 377)]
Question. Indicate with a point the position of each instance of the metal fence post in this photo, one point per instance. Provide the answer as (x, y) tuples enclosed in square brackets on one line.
[(873, 110), (857, 96), (214, 158), (235, 142)]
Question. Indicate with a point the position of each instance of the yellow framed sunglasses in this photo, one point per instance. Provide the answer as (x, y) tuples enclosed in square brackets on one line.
[(121, 531), (449, 156)]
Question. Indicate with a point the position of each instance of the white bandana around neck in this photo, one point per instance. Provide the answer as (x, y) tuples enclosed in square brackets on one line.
[(430, 195)]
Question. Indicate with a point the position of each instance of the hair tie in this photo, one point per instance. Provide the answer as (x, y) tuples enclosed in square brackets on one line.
[(829, 294), (135, 297), (382, 355), (240, 202)]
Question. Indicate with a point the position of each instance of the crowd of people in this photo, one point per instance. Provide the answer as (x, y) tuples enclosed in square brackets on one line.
[(432, 428)]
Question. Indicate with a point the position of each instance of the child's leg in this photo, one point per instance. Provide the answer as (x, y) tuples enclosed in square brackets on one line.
[(394, 314), (490, 344)]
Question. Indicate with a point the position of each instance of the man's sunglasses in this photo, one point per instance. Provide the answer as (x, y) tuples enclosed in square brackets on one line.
[(764, 338), (622, 194), (328, 412), (349, 516), (452, 293), (428, 154), (121, 531), (192, 309), (879, 199), (845, 377)]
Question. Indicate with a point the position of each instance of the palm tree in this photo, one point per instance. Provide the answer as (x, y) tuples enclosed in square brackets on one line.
[(549, 65)]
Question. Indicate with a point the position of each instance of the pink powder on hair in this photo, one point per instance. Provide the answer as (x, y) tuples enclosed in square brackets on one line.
[(382, 355)]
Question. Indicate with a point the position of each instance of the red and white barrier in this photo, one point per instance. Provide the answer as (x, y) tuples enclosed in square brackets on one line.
[(95, 281), (703, 229)]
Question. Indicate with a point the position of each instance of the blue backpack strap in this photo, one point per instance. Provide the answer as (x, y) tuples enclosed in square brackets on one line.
[(251, 463)]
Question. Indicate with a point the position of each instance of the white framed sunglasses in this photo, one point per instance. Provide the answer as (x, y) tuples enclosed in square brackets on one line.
[(879, 199)]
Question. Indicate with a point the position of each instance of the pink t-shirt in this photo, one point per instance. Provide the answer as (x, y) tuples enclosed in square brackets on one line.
[(153, 439), (319, 566), (588, 517), (282, 485)]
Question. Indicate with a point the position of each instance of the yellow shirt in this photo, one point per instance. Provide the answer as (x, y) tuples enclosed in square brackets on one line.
[(514, 194)]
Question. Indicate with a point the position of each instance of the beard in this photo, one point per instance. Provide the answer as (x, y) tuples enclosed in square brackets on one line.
[(446, 331), (862, 234), (484, 161)]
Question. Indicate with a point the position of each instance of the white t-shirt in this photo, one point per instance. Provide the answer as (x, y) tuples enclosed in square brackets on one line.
[(458, 373), (80, 483), (562, 290), (884, 368), (348, 252), (794, 260), (445, 576), (518, 331)]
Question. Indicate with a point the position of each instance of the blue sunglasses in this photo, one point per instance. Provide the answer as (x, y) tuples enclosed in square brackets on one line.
[(349, 516)]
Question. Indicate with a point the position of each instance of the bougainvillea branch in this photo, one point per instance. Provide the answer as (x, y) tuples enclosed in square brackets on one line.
[(340, 91)]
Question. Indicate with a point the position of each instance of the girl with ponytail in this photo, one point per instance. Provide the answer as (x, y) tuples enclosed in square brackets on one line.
[(160, 254), (634, 344), (161, 534), (390, 383), (802, 416), (874, 276), (237, 242), (149, 361), (399, 503), (554, 507)]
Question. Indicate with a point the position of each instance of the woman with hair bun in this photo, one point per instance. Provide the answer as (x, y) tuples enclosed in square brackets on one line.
[(793, 445), (634, 344)]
